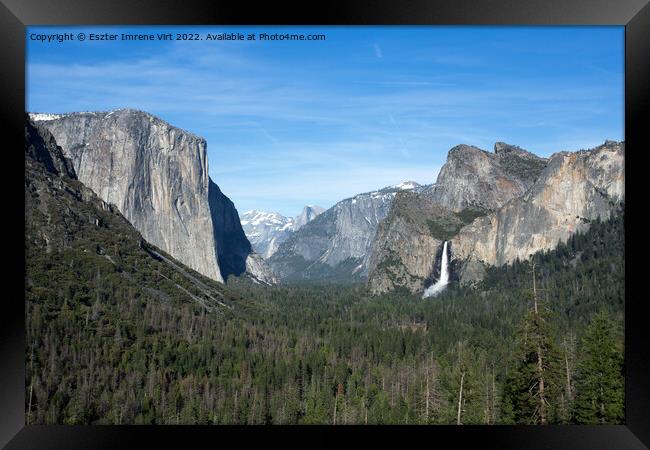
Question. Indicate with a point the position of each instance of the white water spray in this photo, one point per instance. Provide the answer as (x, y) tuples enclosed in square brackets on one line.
[(442, 282)]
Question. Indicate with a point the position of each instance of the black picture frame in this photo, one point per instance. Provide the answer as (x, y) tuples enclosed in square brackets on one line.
[(15, 15)]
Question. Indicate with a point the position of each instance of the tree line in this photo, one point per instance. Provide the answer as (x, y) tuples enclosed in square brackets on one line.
[(536, 342)]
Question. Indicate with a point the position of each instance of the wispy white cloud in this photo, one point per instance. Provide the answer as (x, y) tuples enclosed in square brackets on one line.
[(378, 52), (316, 132), (323, 185)]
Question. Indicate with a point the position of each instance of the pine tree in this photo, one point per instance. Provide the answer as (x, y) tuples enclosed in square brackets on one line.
[(534, 385), (599, 379), (568, 362), (464, 386)]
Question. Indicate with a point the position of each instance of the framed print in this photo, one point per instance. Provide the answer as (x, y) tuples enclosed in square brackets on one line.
[(377, 220)]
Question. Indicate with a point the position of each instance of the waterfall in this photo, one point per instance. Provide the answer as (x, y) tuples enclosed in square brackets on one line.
[(440, 285)]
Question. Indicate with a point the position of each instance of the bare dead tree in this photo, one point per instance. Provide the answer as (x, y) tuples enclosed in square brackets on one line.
[(460, 397)]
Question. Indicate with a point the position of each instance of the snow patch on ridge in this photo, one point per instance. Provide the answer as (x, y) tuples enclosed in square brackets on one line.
[(36, 117), (406, 185)]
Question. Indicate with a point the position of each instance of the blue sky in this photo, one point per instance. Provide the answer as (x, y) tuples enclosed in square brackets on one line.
[(295, 123)]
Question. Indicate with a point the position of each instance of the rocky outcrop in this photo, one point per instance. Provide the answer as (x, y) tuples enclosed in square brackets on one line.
[(234, 251), (232, 246), (307, 214), (336, 244), (157, 176), (478, 180), (519, 163), (572, 190), (258, 270), (506, 205), (72, 234), (41, 146), (472, 183), (404, 252)]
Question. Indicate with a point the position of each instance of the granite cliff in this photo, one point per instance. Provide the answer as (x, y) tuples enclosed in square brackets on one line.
[(157, 176), (476, 179), (234, 251), (76, 243), (494, 208), (573, 189), (335, 246), (408, 241)]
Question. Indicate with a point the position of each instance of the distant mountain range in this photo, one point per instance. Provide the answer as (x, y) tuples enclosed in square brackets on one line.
[(335, 246), (491, 207), (267, 230)]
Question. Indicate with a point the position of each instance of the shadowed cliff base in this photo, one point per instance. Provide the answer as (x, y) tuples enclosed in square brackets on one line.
[(232, 245)]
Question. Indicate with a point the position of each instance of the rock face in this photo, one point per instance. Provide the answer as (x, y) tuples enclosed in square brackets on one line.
[(335, 246), (232, 246), (157, 176), (494, 208), (406, 248), (52, 196), (258, 270), (573, 189), (476, 179), (41, 146), (267, 230), (472, 183), (66, 223), (308, 214)]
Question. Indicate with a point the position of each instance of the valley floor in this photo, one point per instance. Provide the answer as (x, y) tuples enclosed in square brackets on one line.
[(101, 351)]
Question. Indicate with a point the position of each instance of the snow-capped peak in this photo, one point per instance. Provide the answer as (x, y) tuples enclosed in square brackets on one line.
[(406, 185), (255, 217), (36, 117), (266, 230)]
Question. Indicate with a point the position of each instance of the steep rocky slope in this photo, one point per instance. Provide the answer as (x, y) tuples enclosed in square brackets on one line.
[(509, 205), (41, 147), (408, 241), (573, 189), (77, 246), (336, 244), (308, 213), (157, 176), (476, 179)]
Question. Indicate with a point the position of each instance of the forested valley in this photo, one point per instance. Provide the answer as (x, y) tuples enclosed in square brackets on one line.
[(516, 348)]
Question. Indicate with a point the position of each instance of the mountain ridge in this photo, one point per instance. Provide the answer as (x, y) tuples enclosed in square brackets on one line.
[(267, 230), (564, 193), (475, 178), (157, 175), (574, 189), (66, 222), (492, 206), (336, 244)]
